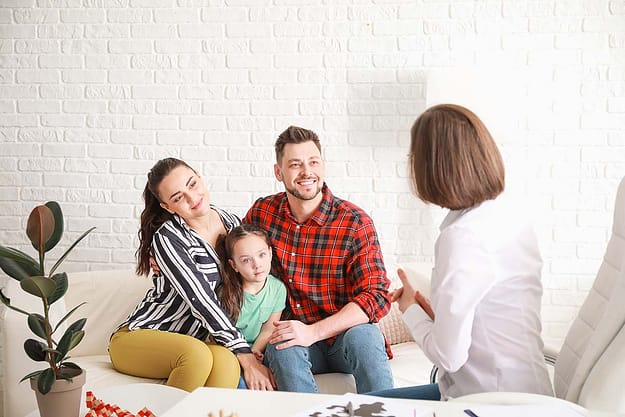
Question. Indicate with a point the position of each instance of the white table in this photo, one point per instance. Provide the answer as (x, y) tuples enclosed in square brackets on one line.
[(247, 403), (133, 397)]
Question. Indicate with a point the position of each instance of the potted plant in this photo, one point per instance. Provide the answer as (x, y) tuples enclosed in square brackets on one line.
[(44, 230)]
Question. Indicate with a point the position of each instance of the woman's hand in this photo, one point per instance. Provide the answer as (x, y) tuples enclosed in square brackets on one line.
[(259, 355), (408, 295), (257, 376), (404, 296), (155, 269), (424, 303)]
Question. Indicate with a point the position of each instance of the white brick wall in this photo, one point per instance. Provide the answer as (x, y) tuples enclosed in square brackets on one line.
[(93, 92)]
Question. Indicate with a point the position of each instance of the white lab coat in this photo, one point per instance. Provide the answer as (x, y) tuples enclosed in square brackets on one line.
[(486, 296)]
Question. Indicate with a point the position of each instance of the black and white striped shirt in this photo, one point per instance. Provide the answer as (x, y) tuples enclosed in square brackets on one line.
[(182, 299)]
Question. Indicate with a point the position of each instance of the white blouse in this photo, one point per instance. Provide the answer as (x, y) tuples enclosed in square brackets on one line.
[(486, 296)]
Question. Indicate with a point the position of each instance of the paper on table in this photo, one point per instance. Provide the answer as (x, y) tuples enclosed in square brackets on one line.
[(365, 405), (524, 410)]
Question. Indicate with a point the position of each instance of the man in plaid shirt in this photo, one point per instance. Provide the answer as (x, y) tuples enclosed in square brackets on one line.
[(329, 257)]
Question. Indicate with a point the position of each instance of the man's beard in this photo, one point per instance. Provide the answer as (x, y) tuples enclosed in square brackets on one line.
[(299, 195)]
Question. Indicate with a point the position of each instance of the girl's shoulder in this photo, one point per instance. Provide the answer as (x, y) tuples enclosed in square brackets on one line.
[(275, 283)]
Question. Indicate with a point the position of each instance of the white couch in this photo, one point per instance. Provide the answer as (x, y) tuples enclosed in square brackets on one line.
[(110, 295)]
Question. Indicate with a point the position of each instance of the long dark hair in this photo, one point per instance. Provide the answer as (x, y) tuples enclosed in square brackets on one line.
[(230, 291), (153, 215)]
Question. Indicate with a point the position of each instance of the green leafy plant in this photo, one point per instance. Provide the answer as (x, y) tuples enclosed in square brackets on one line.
[(44, 229)]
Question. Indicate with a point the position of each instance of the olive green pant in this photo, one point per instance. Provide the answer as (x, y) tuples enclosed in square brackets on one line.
[(186, 362)]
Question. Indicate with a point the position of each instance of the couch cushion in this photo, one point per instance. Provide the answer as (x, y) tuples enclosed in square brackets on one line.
[(100, 374), (409, 365)]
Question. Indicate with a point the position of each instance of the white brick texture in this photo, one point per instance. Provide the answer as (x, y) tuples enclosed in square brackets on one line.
[(92, 93)]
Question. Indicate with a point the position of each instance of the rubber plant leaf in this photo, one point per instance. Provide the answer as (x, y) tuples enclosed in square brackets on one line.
[(42, 287), (7, 302), (67, 316), (57, 233), (17, 264), (61, 285), (69, 340), (58, 263), (32, 374), (45, 380), (36, 324), (70, 365), (35, 350), (40, 227), (69, 377)]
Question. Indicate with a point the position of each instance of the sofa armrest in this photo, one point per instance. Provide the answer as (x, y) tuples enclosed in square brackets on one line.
[(551, 355), (110, 296)]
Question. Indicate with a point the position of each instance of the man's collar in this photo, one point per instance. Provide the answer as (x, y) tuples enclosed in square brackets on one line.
[(320, 216)]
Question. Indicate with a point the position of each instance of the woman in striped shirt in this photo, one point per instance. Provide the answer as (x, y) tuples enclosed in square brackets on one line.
[(167, 335)]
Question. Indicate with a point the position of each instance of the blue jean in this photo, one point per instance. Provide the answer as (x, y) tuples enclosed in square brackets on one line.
[(359, 351), (419, 392)]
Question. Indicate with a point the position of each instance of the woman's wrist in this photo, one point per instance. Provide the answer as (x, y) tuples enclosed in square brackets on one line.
[(245, 359)]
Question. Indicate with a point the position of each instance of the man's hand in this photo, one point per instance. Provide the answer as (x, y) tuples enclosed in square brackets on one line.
[(289, 333), (407, 295), (257, 376)]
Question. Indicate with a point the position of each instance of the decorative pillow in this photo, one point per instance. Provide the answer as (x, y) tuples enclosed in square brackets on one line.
[(392, 327)]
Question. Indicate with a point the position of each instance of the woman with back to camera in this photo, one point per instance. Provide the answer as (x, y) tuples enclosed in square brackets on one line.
[(482, 324), (166, 336)]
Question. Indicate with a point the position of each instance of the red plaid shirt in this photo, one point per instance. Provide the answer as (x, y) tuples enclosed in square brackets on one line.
[(328, 261)]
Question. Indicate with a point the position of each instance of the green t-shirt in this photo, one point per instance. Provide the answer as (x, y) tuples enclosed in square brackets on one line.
[(257, 308)]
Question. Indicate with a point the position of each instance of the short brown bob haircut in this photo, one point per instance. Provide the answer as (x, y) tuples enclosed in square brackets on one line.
[(294, 134), (454, 161)]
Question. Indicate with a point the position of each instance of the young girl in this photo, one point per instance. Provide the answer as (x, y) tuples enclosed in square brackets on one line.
[(249, 293)]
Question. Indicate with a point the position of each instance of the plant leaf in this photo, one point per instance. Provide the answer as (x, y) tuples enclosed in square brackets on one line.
[(32, 374), (57, 233), (66, 376), (35, 350), (42, 287), (36, 324), (17, 264), (40, 227), (76, 338), (7, 302), (45, 380), (69, 340), (60, 281), (71, 365), (67, 315), (58, 263), (77, 325)]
